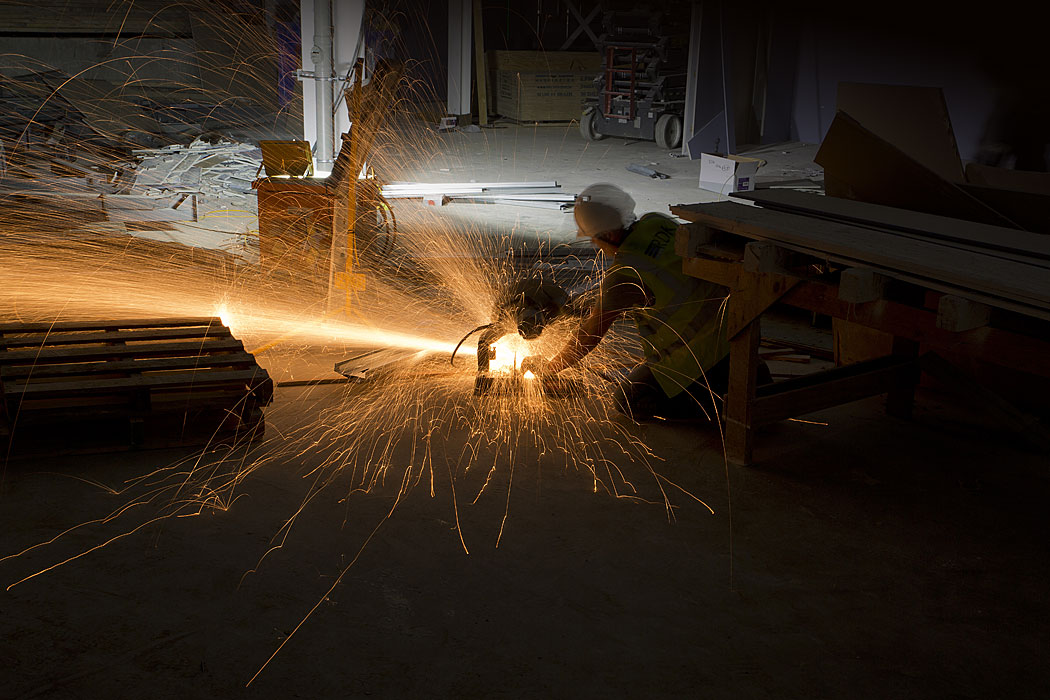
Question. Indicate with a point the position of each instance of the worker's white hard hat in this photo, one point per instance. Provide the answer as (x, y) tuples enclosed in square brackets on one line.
[(602, 208)]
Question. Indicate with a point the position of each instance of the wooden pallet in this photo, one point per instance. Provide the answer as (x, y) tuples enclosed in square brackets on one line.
[(87, 385)]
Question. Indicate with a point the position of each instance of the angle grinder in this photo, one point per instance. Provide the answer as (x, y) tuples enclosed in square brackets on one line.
[(525, 309)]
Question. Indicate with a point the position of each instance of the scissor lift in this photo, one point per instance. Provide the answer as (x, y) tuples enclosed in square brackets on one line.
[(640, 92)]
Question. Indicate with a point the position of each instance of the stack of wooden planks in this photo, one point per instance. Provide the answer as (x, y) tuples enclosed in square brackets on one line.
[(84, 385), (989, 265)]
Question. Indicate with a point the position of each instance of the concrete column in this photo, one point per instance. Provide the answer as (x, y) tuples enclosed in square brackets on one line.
[(321, 56), (348, 46), (306, 23), (459, 55)]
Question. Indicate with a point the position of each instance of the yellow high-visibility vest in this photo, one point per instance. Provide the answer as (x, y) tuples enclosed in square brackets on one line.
[(683, 330)]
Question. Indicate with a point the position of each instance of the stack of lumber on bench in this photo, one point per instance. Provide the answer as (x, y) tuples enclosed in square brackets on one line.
[(974, 295), (149, 382), (1000, 267)]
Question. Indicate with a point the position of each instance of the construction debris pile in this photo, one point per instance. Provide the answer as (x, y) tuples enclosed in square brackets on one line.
[(200, 195), (59, 174), (205, 168)]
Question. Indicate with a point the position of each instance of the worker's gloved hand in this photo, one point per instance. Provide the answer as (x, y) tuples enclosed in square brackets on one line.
[(537, 364)]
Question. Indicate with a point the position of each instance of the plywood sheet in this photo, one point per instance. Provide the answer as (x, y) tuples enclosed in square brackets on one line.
[(967, 270), (943, 228), (546, 61), (872, 169), (914, 119)]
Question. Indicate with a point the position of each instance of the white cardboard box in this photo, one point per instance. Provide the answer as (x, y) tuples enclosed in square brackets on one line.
[(728, 174)]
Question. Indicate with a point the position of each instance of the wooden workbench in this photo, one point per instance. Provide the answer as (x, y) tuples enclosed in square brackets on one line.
[(940, 296)]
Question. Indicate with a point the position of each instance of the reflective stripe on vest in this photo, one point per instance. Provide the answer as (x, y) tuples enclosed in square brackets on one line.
[(683, 331)]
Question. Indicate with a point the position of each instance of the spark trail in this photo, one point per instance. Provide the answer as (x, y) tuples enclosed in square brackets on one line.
[(418, 426)]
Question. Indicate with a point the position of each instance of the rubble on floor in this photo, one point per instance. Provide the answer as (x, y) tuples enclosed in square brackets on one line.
[(63, 173)]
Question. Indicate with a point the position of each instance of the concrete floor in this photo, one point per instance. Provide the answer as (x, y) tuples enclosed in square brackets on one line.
[(864, 557), (559, 153)]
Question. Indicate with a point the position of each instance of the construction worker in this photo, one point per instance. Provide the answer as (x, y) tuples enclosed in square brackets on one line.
[(680, 318)]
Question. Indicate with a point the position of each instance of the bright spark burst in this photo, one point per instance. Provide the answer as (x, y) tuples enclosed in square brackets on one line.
[(508, 352), (419, 425)]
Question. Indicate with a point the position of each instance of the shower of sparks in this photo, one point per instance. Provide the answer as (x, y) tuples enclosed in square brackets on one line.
[(417, 424), (508, 353)]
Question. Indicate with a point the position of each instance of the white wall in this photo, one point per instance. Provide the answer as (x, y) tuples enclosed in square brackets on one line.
[(828, 55)]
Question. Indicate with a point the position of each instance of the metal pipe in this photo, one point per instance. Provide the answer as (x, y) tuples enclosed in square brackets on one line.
[(321, 55)]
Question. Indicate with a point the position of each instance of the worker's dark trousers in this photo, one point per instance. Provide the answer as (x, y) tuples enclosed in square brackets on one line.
[(640, 396)]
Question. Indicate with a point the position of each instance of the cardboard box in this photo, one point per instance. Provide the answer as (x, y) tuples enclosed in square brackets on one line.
[(728, 174), (542, 86)]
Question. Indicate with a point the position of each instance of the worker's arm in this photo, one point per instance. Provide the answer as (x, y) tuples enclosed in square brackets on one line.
[(586, 338), (621, 292)]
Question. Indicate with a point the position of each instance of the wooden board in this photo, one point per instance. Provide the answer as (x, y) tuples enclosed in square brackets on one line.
[(942, 228), (239, 379), (832, 387), (914, 119), (752, 295), (1024, 347), (740, 398), (871, 169), (1027, 285), (1022, 350), (930, 284), (479, 65), (852, 342), (720, 272), (42, 340), (993, 345), (104, 352), (83, 325), (542, 97), (101, 368), (588, 62)]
